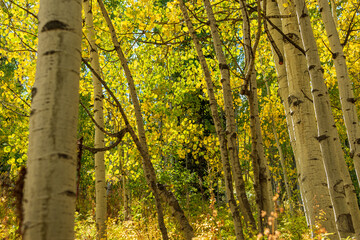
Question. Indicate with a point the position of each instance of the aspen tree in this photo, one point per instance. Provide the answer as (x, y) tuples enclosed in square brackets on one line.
[(281, 154), (277, 46), (149, 170), (159, 191), (262, 180), (311, 173), (100, 182), (50, 184), (219, 129), (342, 191), (230, 118), (347, 98)]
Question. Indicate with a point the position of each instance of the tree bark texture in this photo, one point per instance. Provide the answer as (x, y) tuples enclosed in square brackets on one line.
[(347, 98), (230, 119), (277, 46), (341, 188), (311, 171), (219, 129), (100, 182), (50, 184), (262, 180)]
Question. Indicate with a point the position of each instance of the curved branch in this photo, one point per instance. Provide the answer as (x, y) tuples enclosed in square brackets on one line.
[(96, 124), (119, 136)]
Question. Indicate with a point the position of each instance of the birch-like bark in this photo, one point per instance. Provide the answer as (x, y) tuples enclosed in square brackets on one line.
[(100, 182), (50, 184), (159, 191), (273, 10), (262, 180), (311, 171), (347, 98), (342, 191), (230, 118), (219, 129)]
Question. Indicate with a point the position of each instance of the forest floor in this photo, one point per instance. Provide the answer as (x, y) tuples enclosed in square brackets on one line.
[(209, 222)]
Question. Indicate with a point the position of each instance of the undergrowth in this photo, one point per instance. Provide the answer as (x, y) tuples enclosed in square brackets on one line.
[(210, 222)]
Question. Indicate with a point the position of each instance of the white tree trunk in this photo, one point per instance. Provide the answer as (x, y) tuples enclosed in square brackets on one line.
[(311, 171), (262, 180), (219, 129), (100, 182), (50, 185), (273, 10), (347, 98), (230, 118), (342, 191)]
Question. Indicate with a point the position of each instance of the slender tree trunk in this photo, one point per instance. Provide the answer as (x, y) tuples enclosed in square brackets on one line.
[(125, 192), (230, 119), (219, 130), (341, 189), (262, 180), (100, 182), (149, 170), (311, 172), (281, 155), (277, 46), (159, 191), (126, 198), (347, 98), (50, 184)]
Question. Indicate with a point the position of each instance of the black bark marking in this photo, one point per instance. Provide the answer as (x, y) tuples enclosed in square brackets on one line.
[(33, 93), (63, 155), (303, 15), (223, 66), (54, 25), (321, 137), (293, 100), (297, 102), (352, 100), (311, 67), (335, 55), (50, 52), (338, 188), (69, 193)]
